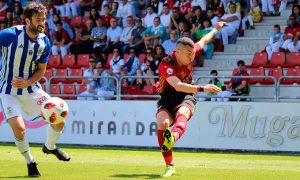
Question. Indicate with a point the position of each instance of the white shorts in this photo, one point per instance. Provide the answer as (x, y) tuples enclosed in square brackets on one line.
[(14, 105)]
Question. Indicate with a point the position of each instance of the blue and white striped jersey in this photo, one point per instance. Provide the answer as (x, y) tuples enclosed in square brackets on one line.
[(20, 56)]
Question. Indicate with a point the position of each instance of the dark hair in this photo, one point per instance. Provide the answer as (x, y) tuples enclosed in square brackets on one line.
[(196, 8), (162, 49), (34, 8), (115, 2), (186, 42), (295, 6), (277, 26), (150, 6), (214, 72), (209, 22), (240, 62), (132, 48), (176, 8), (292, 15), (58, 22), (106, 5), (157, 18), (167, 5)]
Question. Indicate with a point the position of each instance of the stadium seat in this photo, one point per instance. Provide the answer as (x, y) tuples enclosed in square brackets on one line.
[(48, 74), (60, 72), (75, 72), (55, 89), (257, 72), (69, 89), (83, 60), (69, 61), (44, 87), (149, 89), (132, 90), (142, 57), (76, 21), (54, 61), (293, 60), (277, 59), (107, 66), (65, 19), (291, 72), (275, 72), (125, 57), (82, 88), (86, 18), (259, 59)]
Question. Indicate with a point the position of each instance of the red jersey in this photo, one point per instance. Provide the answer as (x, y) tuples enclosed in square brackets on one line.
[(292, 31), (169, 67)]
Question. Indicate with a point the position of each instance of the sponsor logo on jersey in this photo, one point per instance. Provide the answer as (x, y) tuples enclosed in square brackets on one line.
[(170, 71)]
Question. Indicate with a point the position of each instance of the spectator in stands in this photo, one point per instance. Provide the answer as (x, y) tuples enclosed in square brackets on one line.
[(126, 35), (165, 16), (107, 3), (181, 28), (113, 36), (290, 32), (169, 2), (18, 10), (94, 15), (9, 18), (138, 5), (22, 19), (233, 21), (170, 44), (47, 32), (131, 66), (99, 37), (214, 80), (199, 3), (86, 5), (155, 34), (91, 83), (176, 17), (105, 86), (3, 25), (197, 19), (149, 18), (296, 12), (187, 33), (125, 9), (3, 8), (273, 7), (237, 6), (148, 68), (295, 45), (71, 8), (157, 6), (159, 54), (61, 41), (184, 6), (237, 86), (114, 9), (208, 49), (136, 39), (116, 63), (106, 17), (275, 42), (253, 16), (59, 6), (213, 18), (85, 39), (66, 26)]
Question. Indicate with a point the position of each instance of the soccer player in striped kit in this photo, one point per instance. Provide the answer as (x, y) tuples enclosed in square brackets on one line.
[(25, 53), (177, 102)]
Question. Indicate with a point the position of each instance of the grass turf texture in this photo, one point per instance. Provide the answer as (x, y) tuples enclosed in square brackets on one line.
[(104, 163)]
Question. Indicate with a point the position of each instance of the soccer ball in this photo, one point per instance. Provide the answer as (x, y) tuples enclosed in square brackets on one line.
[(54, 110)]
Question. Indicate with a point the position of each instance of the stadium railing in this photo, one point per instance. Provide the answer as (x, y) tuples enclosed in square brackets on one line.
[(278, 85)]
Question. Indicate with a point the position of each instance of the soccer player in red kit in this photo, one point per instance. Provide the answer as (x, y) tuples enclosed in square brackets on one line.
[(176, 89)]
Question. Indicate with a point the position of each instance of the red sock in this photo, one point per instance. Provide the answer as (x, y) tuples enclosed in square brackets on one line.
[(167, 155), (180, 126)]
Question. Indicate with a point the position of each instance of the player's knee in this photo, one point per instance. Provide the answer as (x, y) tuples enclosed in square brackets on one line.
[(19, 132)]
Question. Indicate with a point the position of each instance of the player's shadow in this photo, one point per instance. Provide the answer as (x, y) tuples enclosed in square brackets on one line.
[(141, 176), (15, 177)]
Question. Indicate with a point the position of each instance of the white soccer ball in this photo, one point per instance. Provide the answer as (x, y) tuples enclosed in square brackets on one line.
[(54, 110)]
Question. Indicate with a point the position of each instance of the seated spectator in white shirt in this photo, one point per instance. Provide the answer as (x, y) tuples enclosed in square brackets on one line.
[(165, 17), (170, 44), (125, 9), (99, 37), (233, 21), (148, 19), (116, 63), (113, 36), (126, 35), (105, 86)]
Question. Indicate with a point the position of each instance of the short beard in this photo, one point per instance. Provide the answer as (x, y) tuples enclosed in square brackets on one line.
[(35, 30)]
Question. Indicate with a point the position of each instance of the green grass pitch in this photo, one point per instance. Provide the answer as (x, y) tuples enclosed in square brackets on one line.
[(104, 163)]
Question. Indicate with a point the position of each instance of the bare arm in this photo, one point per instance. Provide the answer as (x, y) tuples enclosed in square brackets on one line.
[(189, 88), (208, 37)]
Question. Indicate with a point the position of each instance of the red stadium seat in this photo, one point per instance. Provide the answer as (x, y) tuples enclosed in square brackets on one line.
[(55, 89), (69, 89), (76, 21), (107, 66), (86, 18), (275, 72), (83, 60), (65, 19), (76, 72), (54, 61), (257, 72), (48, 74), (69, 61), (82, 88), (142, 57), (293, 60), (259, 59), (277, 59), (149, 89), (60, 72), (292, 72), (44, 87), (132, 90)]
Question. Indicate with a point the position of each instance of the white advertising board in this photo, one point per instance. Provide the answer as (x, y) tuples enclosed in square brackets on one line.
[(232, 125)]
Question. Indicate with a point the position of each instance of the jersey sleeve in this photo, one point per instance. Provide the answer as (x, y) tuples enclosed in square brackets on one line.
[(45, 56), (6, 36), (165, 70)]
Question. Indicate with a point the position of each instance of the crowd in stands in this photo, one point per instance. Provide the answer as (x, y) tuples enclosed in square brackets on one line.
[(130, 37)]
